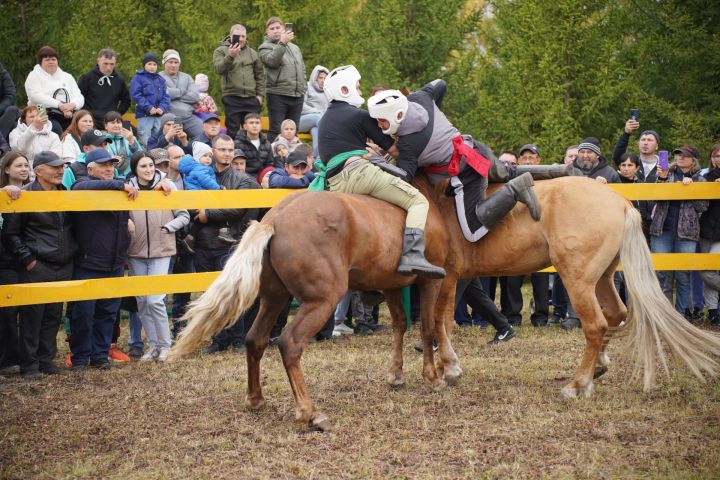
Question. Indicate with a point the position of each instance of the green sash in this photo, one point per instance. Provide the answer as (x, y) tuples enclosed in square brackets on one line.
[(319, 183)]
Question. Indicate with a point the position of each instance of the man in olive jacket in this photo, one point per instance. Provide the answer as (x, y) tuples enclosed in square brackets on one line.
[(285, 75), (242, 78)]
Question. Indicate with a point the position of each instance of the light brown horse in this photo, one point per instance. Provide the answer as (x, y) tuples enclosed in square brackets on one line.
[(316, 245)]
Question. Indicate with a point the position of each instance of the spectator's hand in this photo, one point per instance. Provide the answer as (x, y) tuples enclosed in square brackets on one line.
[(234, 50), (40, 122), (201, 216), (31, 265), (159, 110), (131, 226), (393, 151), (132, 192), (152, 111), (12, 191), (182, 136), (259, 99), (601, 179), (662, 174), (128, 135), (265, 181), (687, 180), (68, 114), (631, 125), (286, 37), (170, 135), (164, 187)]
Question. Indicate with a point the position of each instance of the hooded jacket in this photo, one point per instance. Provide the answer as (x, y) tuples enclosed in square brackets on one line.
[(242, 76), (104, 93), (148, 91), (40, 87), (284, 68), (29, 141), (197, 176), (121, 147), (315, 99), (183, 93), (147, 237), (255, 158)]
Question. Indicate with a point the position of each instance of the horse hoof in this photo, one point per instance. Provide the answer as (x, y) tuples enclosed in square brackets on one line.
[(452, 374), (254, 403), (321, 423), (600, 371), (568, 391), (396, 380), (438, 385)]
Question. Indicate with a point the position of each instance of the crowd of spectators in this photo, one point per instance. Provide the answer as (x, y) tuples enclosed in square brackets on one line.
[(74, 136)]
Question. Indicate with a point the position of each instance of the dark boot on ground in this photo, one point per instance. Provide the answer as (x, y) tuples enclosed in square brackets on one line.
[(571, 323), (713, 318), (497, 205), (413, 261), (547, 172)]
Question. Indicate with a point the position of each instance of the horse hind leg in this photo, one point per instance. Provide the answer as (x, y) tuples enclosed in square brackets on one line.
[(613, 310), (448, 362), (582, 296), (273, 297), (395, 376), (308, 321)]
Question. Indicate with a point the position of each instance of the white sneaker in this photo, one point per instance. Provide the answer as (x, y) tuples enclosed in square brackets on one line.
[(150, 355), (343, 329), (163, 354)]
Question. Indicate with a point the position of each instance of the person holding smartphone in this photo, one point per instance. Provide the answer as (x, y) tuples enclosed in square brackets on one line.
[(286, 77), (242, 78), (675, 226), (648, 145)]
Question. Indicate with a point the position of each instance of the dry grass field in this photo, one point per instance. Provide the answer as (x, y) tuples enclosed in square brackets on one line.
[(505, 419)]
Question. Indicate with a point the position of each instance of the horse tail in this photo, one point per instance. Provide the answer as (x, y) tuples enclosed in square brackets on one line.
[(231, 294), (652, 320)]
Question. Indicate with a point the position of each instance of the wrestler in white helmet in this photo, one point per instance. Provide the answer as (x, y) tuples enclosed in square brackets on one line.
[(342, 85), (390, 105)]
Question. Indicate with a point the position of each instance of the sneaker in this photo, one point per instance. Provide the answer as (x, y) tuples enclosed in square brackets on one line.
[(189, 243), (239, 348), (342, 329), (150, 355), (212, 348), (100, 365), (116, 354), (50, 369), (419, 347), (68, 360), (336, 334), (10, 370), (135, 352), (31, 375), (363, 330), (571, 323), (163, 354), (225, 237), (555, 320), (502, 337)]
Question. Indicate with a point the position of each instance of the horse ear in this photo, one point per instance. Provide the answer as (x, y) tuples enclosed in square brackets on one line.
[(405, 91)]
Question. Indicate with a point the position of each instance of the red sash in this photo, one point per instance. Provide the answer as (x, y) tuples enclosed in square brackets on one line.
[(460, 149)]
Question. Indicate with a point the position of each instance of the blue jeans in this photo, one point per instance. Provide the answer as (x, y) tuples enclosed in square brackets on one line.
[(135, 324), (147, 127), (92, 321), (669, 242), (309, 124)]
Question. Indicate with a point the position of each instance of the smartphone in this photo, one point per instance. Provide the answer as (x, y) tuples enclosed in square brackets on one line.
[(634, 114), (289, 27), (41, 110), (235, 40), (663, 160)]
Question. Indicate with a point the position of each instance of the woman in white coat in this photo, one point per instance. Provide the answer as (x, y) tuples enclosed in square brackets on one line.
[(56, 90)]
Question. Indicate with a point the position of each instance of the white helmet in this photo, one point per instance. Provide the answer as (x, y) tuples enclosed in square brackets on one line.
[(390, 105), (341, 85)]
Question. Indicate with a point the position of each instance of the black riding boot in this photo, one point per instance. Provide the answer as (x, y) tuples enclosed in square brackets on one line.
[(413, 260), (495, 207), (498, 172), (546, 172)]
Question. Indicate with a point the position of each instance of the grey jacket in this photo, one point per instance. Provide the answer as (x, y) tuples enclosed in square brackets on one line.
[(315, 99), (242, 76), (284, 68), (183, 93)]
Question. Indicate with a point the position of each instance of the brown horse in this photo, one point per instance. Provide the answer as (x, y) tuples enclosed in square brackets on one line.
[(316, 245)]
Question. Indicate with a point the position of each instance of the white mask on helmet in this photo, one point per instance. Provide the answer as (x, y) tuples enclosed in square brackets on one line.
[(390, 105), (341, 85)]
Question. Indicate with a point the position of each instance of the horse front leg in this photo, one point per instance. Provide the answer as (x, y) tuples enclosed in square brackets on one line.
[(448, 363), (308, 321), (395, 376)]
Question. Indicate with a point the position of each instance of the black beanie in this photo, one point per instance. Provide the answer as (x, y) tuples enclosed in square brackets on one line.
[(150, 57)]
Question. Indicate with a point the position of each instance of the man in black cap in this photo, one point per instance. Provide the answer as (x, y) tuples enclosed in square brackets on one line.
[(43, 244), (103, 242), (296, 173), (211, 129), (89, 141), (239, 161)]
